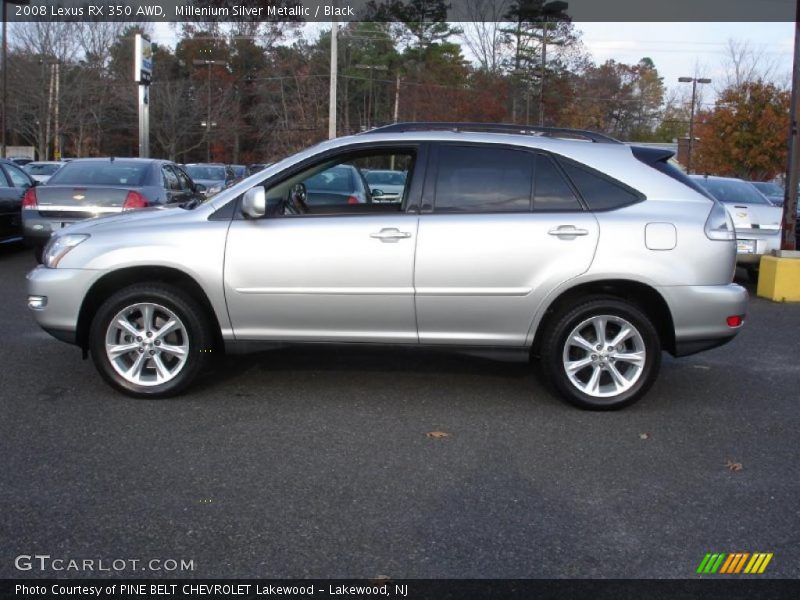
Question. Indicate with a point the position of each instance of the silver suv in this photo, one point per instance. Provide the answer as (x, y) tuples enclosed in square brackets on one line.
[(569, 246)]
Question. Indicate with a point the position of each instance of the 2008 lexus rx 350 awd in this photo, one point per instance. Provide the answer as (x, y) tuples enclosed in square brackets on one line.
[(564, 245)]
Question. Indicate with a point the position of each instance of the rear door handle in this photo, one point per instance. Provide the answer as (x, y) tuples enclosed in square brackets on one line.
[(568, 231), (390, 235)]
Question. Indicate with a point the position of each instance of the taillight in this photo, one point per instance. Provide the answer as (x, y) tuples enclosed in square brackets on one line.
[(352, 200), (134, 200), (735, 320), (719, 225), (30, 200)]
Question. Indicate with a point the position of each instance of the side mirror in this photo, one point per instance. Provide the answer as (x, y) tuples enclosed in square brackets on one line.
[(376, 193), (254, 203), (200, 188)]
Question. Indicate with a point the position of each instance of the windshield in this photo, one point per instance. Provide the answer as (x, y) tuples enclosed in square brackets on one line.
[(732, 191), (385, 178), (131, 174), (41, 169), (205, 172)]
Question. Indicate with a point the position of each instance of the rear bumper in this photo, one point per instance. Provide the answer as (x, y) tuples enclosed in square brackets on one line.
[(699, 315), (766, 240)]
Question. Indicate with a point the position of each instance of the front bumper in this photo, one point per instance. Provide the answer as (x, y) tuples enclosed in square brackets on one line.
[(699, 314), (63, 291)]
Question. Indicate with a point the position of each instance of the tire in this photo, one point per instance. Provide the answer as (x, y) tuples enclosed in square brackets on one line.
[(142, 366), (752, 274), (637, 371)]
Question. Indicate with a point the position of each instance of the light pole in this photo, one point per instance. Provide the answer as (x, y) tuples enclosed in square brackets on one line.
[(209, 64), (5, 68), (372, 105), (694, 81)]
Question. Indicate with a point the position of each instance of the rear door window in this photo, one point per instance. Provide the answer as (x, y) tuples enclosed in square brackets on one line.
[(483, 179), (552, 192)]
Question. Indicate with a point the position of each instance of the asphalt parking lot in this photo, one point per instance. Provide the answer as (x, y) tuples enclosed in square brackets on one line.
[(317, 463)]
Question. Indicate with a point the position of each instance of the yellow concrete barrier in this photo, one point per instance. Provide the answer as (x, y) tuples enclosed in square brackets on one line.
[(779, 279)]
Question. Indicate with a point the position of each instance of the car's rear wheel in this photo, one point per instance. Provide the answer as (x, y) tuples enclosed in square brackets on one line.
[(602, 354), (150, 341)]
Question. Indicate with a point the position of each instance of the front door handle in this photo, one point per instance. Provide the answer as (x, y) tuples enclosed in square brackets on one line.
[(568, 231), (390, 235)]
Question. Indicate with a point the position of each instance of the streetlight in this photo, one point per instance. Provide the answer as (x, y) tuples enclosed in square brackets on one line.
[(694, 81), (5, 68), (209, 64)]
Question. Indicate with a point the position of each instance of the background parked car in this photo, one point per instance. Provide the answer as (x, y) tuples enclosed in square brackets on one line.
[(342, 184), (41, 171), (214, 176), (389, 184), (756, 220), (90, 187), (239, 171), (14, 182), (256, 167), (773, 191)]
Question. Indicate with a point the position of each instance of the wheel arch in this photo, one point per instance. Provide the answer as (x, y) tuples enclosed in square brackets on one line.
[(642, 295), (121, 278)]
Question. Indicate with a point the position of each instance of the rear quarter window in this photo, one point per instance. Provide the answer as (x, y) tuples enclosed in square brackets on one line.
[(598, 191)]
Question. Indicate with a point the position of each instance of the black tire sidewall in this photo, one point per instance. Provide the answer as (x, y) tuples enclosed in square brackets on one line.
[(187, 310), (562, 326)]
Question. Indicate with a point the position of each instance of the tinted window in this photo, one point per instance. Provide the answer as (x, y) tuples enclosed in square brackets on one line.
[(206, 172), (101, 173), (170, 179), (598, 192), (551, 190), (18, 177), (186, 183), (483, 180)]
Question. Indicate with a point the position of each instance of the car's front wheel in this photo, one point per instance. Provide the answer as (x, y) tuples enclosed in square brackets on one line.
[(150, 341), (603, 353)]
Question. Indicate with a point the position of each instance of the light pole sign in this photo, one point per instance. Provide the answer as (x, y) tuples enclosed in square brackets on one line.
[(143, 59), (142, 74)]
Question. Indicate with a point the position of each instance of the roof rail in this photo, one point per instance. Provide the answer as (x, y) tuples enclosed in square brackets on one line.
[(496, 128)]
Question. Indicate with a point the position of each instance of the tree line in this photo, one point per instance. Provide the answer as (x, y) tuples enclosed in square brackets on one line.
[(263, 86)]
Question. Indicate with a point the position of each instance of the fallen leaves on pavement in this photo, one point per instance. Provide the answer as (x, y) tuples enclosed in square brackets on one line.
[(437, 434)]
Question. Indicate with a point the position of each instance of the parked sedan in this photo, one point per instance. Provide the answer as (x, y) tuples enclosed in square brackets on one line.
[(42, 171), (342, 184), (757, 222), (215, 177), (90, 187), (14, 183), (770, 189)]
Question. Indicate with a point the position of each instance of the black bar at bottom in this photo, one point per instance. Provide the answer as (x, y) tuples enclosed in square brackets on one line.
[(412, 589)]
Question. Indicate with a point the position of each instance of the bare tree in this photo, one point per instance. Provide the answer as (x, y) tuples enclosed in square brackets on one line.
[(483, 35), (746, 63)]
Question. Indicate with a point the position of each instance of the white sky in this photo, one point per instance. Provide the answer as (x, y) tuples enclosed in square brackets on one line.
[(677, 49)]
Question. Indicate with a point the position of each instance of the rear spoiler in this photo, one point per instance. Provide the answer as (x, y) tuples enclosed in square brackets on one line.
[(650, 155)]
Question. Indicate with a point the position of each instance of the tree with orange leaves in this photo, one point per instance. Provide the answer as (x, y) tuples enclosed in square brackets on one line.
[(745, 134)]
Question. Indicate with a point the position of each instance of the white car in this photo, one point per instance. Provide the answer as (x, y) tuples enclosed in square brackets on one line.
[(756, 220), (42, 171)]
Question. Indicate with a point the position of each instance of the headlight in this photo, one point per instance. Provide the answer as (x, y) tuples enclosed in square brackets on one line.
[(58, 246)]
